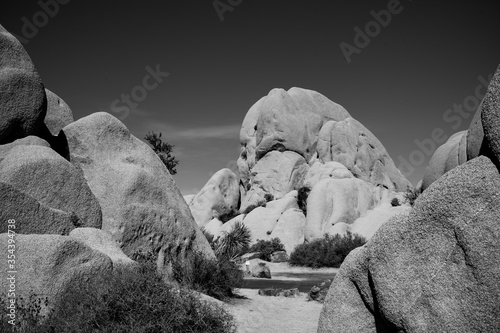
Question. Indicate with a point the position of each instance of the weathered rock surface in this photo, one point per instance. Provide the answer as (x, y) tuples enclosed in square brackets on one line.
[(47, 265), (27, 141), (320, 171), (283, 121), (214, 228), (482, 138), (368, 224), (353, 145), (189, 198), (142, 207), (262, 220), (219, 196), (260, 269), (58, 114), (299, 138), (23, 103), (277, 173), (336, 200), (31, 216), (445, 158), (318, 292), (287, 120), (433, 270), (290, 229), (490, 118), (102, 241), (53, 181)]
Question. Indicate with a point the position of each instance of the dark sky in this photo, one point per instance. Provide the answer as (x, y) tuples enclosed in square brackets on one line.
[(400, 86)]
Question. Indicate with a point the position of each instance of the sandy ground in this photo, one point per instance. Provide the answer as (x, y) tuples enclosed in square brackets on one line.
[(267, 314)]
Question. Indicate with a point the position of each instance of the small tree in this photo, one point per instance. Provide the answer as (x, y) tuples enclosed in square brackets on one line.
[(302, 196), (411, 195), (163, 150)]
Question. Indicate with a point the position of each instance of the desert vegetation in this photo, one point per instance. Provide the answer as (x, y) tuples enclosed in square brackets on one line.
[(411, 195), (164, 151), (267, 248), (329, 251), (302, 195), (126, 300)]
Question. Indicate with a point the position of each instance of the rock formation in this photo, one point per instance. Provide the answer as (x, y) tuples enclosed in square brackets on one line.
[(51, 264), (218, 197), (47, 177), (58, 113), (84, 195), (142, 207), (481, 138), (298, 139), (23, 103), (434, 269)]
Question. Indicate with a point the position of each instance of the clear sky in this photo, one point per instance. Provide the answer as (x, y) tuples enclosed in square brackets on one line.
[(401, 84)]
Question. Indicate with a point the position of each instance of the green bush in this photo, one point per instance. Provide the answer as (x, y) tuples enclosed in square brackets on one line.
[(266, 248), (228, 216), (268, 197), (411, 195), (213, 277), (303, 194), (123, 301), (233, 243), (395, 202), (329, 251)]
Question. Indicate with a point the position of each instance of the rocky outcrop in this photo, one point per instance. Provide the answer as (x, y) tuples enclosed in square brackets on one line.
[(290, 229), (354, 146), (31, 216), (434, 269), (445, 158), (296, 139), (48, 265), (260, 269), (320, 171), (218, 197), (102, 241), (142, 207), (23, 103), (27, 141), (318, 292), (336, 200), (481, 138), (276, 174), (262, 220), (58, 114), (54, 182), (490, 118)]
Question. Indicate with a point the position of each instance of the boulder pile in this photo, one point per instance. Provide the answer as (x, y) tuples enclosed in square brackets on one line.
[(436, 267), (78, 198), (306, 168)]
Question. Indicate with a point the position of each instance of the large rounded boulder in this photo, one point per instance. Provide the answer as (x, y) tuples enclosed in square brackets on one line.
[(44, 175), (432, 269), (47, 266), (482, 138), (142, 207), (23, 103), (58, 113), (219, 196)]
